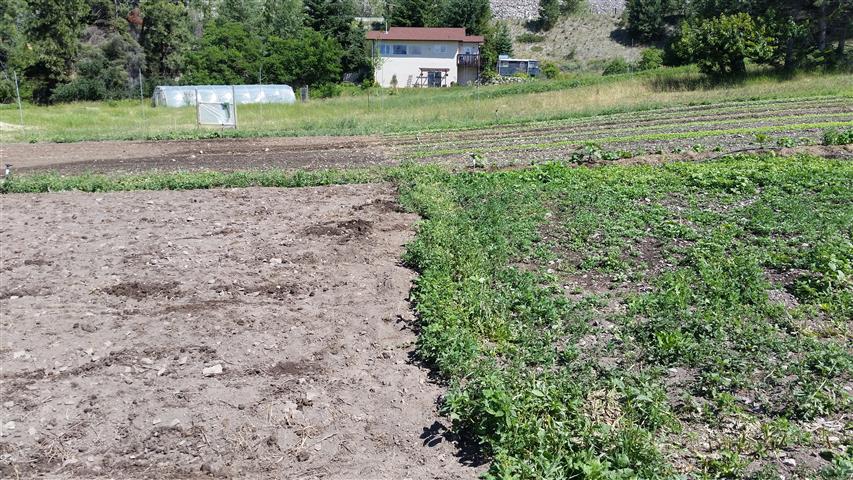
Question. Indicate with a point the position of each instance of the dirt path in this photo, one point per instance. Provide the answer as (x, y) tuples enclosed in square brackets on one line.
[(257, 333)]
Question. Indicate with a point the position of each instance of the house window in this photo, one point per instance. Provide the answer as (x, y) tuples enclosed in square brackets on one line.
[(416, 50), (384, 49), (400, 50), (439, 49)]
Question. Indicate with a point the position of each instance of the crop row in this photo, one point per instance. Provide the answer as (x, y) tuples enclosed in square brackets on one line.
[(590, 133)]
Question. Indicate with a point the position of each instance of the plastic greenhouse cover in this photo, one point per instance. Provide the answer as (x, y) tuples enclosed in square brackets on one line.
[(183, 96)]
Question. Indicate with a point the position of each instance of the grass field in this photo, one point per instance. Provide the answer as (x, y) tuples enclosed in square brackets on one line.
[(416, 110)]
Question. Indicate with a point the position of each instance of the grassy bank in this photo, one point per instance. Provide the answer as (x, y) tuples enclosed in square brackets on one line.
[(643, 322), (414, 109)]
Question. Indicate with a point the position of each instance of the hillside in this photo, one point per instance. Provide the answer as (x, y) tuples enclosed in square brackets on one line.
[(578, 42), (582, 41)]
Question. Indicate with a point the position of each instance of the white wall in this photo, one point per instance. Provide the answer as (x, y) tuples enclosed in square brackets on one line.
[(403, 66)]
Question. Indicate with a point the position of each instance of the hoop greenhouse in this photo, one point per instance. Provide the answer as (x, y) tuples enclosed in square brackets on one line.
[(185, 96)]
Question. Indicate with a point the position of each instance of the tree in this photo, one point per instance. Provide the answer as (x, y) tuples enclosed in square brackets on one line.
[(473, 15), (646, 18), (498, 42), (14, 56), (228, 54), (411, 13), (52, 31), (282, 18), (165, 36), (502, 39), (722, 45), (247, 12), (336, 19), (308, 59), (549, 13), (11, 35), (102, 71)]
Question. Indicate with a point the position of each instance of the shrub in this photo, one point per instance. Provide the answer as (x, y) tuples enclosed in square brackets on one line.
[(571, 6), (327, 90), (834, 137), (616, 66), (651, 59), (7, 91), (81, 89), (528, 37), (550, 70)]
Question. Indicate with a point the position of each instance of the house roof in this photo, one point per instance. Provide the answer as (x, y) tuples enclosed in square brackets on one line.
[(425, 35)]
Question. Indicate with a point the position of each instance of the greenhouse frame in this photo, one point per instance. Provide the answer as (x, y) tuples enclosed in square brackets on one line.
[(185, 95)]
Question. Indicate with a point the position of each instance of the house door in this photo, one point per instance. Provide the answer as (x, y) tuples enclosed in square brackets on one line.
[(434, 79)]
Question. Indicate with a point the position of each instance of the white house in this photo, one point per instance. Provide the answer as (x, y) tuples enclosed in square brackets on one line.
[(425, 57)]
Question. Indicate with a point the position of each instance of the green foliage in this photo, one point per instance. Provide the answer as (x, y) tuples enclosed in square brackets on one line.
[(165, 37), (568, 7), (309, 59), (412, 13), (501, 40), (549, 13), (834, 137), (52, 30), (651, 59), (528, 37), (523, 360), (227, 54), (282, 18), (722, 45), (550, 70), (336, 20), (50, 182), (646, 18), (473, 15), (103, 71), (15, 54), (617, 66)]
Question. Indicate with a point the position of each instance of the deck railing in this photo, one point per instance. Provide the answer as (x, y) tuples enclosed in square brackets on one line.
[(468, 60)]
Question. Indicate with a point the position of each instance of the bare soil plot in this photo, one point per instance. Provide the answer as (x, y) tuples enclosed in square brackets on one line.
[(219, 154), (257, 333)]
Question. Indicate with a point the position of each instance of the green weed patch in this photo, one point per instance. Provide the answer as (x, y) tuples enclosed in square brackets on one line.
[(640, 322), (52, 182)]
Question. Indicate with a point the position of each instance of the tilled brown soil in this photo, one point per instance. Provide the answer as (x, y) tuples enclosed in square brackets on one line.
[(186, 155), (256, 333)]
